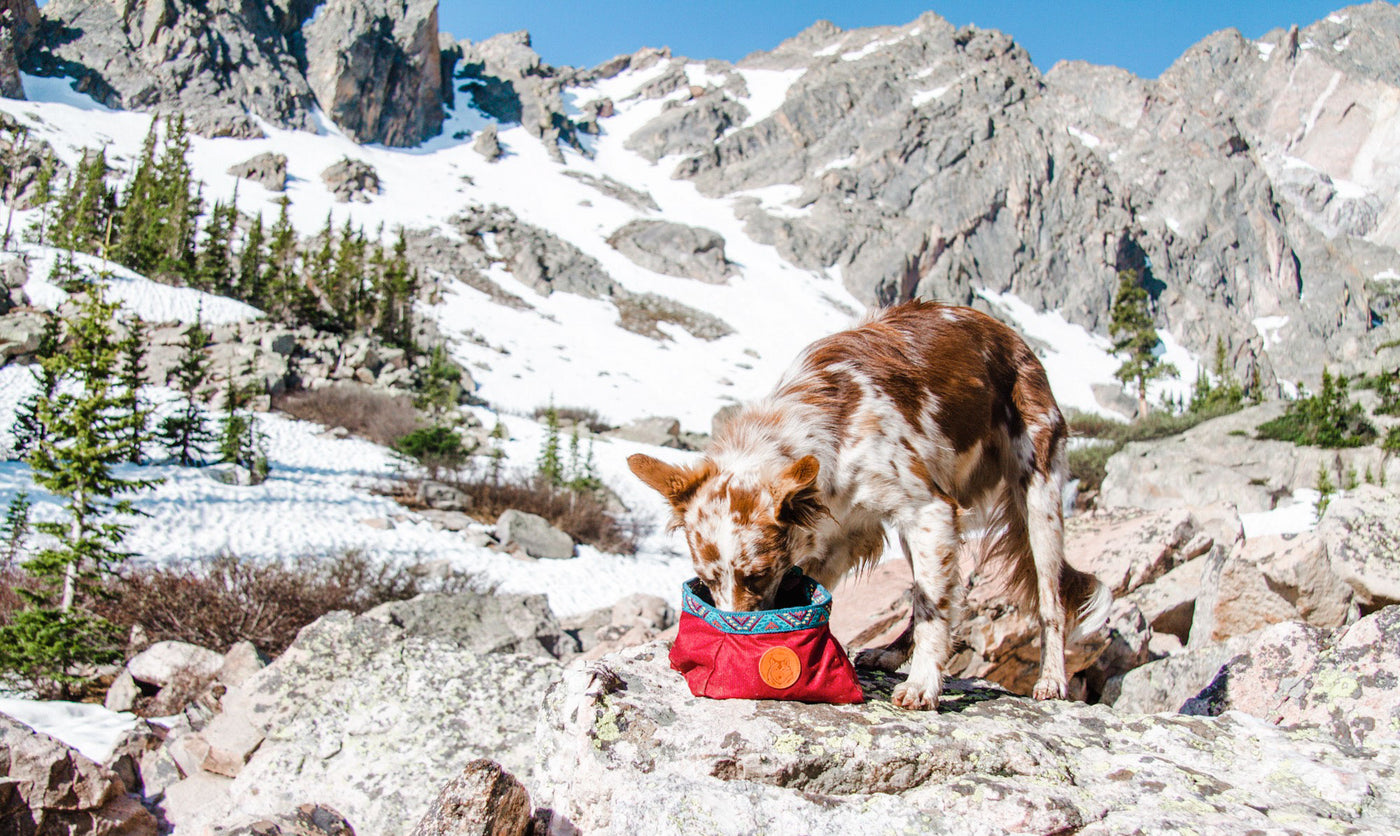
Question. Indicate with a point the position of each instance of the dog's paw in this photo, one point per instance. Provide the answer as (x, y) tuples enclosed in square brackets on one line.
[(1049, 689), (881, 659), (916, 697)]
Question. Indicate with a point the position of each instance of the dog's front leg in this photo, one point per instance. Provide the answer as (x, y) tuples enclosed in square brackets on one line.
[(929, 539)]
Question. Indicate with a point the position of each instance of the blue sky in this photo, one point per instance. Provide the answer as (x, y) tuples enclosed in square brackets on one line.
[(1144, 37)]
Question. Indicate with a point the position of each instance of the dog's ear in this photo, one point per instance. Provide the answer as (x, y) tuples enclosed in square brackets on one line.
[(678, 483), (795, 493)]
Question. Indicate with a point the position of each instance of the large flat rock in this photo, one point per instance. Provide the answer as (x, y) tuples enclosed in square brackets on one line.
[(625, 748)]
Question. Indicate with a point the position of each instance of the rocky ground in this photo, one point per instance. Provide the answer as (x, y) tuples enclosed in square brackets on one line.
[(1243, 684)]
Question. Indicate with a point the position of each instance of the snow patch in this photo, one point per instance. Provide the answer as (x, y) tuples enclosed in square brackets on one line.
[(1294, 515), (1265, 50), (91, 729), (1270, 328), (1388, 274), (923, 97), (1089, 140), (767, 91), (152, 301)]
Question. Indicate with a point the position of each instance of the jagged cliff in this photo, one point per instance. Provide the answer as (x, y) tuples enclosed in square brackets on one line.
[(1253, 184)]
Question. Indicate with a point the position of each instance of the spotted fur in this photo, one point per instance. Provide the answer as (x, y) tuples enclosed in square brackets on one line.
[(921, 418)]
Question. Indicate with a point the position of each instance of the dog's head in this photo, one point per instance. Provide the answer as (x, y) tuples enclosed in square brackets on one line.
[(744, 533)]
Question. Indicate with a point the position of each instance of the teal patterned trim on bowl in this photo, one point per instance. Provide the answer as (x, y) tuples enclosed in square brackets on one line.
[(760, 622)]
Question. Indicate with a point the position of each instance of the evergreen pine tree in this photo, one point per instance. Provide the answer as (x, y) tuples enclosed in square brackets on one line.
[(549, 466), (140, 213), (240, 441), (397, 286), (14, 530), (498, 452), (181, 203), (186, 434), (439, 384), (29, 429), (44, 194), (1134, 334), (281, 263), (130, 377), (45, 641), (251, 266), (215, 258)]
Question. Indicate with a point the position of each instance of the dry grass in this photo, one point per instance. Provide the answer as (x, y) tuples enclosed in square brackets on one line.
[(377, 416), (584, 516), (230, 600)]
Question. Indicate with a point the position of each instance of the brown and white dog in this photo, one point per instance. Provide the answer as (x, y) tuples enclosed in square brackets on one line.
[(925, 417)]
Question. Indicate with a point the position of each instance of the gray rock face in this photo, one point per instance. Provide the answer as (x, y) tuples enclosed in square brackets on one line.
[(18, 21), (629, 750), (506, 80), (534, 534), (368, 718), (674, 249), (481, 623), (376, 68), (45, 787), (351, 180), (938, 162), (1362, 533), (219, 62), (1221, 461), (1342, 682), (268, 170)]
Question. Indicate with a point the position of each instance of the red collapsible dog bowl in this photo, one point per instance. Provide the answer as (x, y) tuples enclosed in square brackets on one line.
[(779, 654)]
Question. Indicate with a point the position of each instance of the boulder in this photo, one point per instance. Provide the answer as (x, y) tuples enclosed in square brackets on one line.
[(46, 787), (1342, 682), (658, 432), (625, 748), (487, 143), (534, 534), (123, 693), (1169, 602), (367, 715), (688, 129), (350, 180), (376, 69), (1167, 684), (481, 622), (443, 497), (1267, 580), (634, 620), (485, 800), (267, 169), (1361, 529), (1126, 548), (673, 249), (240, 662), (19, 334), (163, 662)]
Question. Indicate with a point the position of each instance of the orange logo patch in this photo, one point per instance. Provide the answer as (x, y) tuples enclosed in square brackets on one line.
[(779, 667)]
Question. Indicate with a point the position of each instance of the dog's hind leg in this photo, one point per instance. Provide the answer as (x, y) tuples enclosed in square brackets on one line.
[(1045, 528), (930, 541)]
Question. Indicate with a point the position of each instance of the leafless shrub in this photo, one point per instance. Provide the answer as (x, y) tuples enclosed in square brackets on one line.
[(377, 416), (230, 600)]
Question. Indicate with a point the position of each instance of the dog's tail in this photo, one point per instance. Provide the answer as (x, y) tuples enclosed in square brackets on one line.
[(1007, 561), (1087, 600)]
